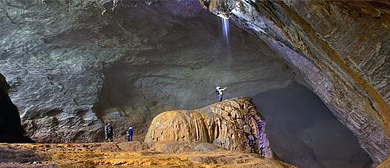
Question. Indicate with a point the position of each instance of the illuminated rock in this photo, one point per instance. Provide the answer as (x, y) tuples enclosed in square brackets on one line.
[(233, 124)]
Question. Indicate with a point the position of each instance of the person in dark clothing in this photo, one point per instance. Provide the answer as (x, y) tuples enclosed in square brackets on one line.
[(130, 134), (108, 132)]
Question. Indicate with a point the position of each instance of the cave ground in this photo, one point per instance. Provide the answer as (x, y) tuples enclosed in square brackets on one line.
[(129, 154)]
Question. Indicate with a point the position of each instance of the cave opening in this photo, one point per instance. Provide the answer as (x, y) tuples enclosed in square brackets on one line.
[(304, 132)]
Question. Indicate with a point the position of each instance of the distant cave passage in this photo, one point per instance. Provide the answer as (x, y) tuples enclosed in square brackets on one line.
[(302, 131)]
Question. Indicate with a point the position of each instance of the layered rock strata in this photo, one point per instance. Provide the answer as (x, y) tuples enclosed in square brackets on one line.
[(340, 49), (233, 124), (71, 68), (11, 129)]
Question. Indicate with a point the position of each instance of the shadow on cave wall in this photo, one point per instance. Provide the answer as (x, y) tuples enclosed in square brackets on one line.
[(302, 131)]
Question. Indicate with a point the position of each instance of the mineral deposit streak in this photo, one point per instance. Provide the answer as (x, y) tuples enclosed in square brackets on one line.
[(225, 31)]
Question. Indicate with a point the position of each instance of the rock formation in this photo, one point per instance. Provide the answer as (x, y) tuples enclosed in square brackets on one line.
[(340, 48), (233, 124), (10, 128)]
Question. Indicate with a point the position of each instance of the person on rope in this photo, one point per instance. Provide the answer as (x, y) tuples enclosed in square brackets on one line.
[(220, 91), (130, 134), (108, 132)]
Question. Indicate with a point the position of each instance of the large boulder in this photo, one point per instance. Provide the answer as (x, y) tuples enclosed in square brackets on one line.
[(11, 129), (234, 124)]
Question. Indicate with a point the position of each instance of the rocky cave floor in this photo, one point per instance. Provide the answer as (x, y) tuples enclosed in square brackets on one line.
[(129, 154)]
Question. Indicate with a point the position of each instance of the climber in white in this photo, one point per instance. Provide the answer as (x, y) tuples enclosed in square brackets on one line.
[(220, 91)]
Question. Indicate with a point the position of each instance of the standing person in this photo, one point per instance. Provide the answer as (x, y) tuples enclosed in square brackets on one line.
[(108, 132), (130, 134), (220, 91)]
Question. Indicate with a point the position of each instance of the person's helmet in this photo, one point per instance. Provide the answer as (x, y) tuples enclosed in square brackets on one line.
[(218, 88), (131, 128)]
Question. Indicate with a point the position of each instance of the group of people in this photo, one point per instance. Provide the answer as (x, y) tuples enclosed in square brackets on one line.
[(109, 133)]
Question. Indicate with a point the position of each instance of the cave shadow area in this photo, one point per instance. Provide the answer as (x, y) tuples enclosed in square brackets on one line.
[(303, 131)]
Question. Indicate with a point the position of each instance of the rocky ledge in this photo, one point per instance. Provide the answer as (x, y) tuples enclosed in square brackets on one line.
[(233, 124)]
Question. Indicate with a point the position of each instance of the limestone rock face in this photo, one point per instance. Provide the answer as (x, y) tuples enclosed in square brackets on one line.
[(233, 124), (71, 68), (11, 129), (340, 48)]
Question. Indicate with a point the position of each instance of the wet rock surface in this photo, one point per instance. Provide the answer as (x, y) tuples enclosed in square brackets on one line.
[(338, 46), (11, 129), (233, 124), (130, 154)]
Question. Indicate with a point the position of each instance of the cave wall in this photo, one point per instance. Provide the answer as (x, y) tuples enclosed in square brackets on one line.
[(65, 61), (51, 56), (340, 49), (72, 68)]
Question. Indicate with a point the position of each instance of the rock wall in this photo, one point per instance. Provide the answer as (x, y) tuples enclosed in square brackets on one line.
[(340, 49), (71, 68), (54, 77), (233, 124), (11, 129)]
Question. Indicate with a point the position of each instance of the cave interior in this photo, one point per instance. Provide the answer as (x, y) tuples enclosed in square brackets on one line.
[(71, 69)]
